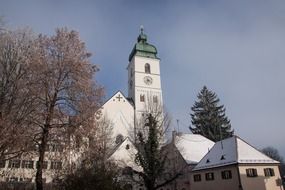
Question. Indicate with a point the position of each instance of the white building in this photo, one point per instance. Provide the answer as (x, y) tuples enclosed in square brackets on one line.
[(234, 164)]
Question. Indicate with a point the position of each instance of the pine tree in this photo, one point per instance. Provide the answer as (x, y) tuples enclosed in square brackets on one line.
[(209, 118)]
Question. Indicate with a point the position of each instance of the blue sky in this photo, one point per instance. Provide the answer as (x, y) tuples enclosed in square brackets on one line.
[(235, 48)]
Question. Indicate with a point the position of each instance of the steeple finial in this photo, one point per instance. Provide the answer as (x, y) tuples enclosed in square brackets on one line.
[(142, 38), (141, 28), (142, 48)]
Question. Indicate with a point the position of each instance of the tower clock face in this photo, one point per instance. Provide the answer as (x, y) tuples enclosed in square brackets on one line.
[(147, 80)]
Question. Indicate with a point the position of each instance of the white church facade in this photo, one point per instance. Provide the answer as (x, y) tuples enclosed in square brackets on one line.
[(144, 91)]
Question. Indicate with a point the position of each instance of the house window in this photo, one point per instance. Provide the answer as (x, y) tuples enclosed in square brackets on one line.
[(56, 165), (45, 164), (56, 180), (27, 180), (147, 68), (12, 179), (155, 100), (197, 177), (209, 176), (2, 163), (28, 164), (14, 164), (55, 148), (142, 99), (251, 172), (269, 172), (227, 174)]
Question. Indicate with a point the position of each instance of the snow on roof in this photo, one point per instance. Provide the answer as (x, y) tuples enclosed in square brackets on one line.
[(193, 147), (124, 155), (231, 151)]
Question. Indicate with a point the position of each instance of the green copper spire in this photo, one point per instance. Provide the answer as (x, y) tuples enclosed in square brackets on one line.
[(142, 48)]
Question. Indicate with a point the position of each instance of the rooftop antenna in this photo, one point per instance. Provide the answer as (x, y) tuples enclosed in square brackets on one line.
[(177, 120), (221, 138)]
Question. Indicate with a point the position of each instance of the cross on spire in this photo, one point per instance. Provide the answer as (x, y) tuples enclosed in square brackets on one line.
[(119, 97)]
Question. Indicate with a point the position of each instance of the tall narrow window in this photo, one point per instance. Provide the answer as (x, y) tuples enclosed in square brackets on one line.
[(14, 163), (227, 174), (142, 98), (209, 176), (28, 164), (155, 100), (45, 164), (197, 177), (56, 165), (147, 68), (2, 163)]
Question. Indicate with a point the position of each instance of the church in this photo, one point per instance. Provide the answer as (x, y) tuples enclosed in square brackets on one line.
[(144, 90)]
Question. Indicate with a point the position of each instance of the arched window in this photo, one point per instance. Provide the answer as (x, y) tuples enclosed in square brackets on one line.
[(142, 98), (155, 99), (147, 68)]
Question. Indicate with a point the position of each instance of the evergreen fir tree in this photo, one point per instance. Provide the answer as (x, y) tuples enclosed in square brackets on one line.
[(209, 118)]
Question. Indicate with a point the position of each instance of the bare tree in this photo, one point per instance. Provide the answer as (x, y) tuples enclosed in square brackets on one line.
[(16, 101), (161, 116), (99, 141), (95, 170), (273, 153), (63, 87)]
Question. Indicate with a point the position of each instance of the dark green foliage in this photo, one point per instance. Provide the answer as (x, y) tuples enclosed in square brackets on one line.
[(151, 157), (148, 156), (208, 118)]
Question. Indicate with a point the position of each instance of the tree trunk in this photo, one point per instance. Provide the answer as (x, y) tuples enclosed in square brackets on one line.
[(42, 148)]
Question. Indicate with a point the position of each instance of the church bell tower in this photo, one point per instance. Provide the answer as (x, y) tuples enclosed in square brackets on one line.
[(144, 84)]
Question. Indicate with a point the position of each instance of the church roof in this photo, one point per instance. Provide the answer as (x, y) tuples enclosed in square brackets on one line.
[(232, 150), (192, 147), (118, 96), (142, 48)]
